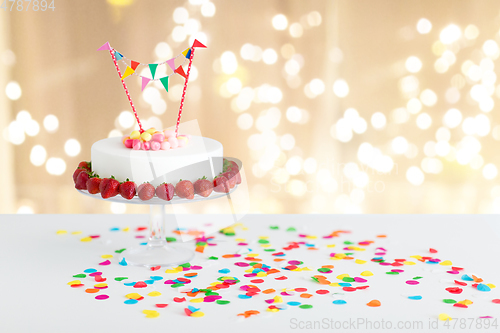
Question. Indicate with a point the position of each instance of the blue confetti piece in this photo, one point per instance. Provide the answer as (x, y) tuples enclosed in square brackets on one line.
[(294, 303), (123, 262), (431, 262), (257, 270), (224, 270), (282, 307), (378, 258), (114, 229), (192, 308), (156, 278), (279, 255), (345, 284), (242, 296), (418, 297), (90, 270), (129, 284), (339, 301), (465, 277), (131, 301), (145, 243), (483, 287), (149, 281), (309, 245)]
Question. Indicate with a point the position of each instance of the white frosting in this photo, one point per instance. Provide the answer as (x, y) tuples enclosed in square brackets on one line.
[(200, 157)]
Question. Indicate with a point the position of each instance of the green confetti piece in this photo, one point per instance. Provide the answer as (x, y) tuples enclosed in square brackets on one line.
[(348, 242), (274, 227), (210, 293), (269, 250), (315, 279), (201, 243), (348, 279), (291, 229), (171, 239), (263, 241), (392, 273), (120, 278), (213, 258), (187, 265), (80, 275), (177, 285), (222, 302), (324, 270), (253, 263), (417, 277), (348, 254), (120, 251), (305, 306), (449, 301)]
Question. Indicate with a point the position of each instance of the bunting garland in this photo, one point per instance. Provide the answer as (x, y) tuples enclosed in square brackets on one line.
[(132, 68)]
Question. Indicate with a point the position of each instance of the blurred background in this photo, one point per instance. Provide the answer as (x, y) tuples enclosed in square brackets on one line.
[(333, 106)]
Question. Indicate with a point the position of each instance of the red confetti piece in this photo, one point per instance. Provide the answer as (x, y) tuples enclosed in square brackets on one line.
[(300, 290), (281, 278), (141, 228), (362, 287), (349, 289), (76, 285), (102, 297), (257, 281), (140, 284), (99, 278), (454, 290), (161, 305), (94, 236), (457, 268), (179, 300), (460, 305), (155, 268), (460, 283), (322, 292), (496, 301), (431, 250), (188, 312)]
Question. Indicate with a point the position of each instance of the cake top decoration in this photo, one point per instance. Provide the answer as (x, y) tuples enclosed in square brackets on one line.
[(141, 139)]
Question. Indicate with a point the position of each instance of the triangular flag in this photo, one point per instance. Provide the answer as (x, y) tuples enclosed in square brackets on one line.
[(186, 51), (197, 43), (171, 63), (128, 71), (145, 82), (134, 64), (118, 56), (104, 47), (180, 71), (188, 55), (164, 81), (152, 68)]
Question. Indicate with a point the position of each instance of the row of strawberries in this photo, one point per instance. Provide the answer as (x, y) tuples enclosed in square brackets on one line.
[(85, 179)]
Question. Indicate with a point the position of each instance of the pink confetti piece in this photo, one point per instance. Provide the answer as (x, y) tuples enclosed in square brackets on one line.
[(412, 282), (242, 264), (105, 263), (360, 280), (101, 297), (196, 267), (95, 273)]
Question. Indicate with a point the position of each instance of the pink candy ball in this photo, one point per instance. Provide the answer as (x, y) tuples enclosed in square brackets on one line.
[(136, 145), (146, 145), (158, 137), (174, 143), (169, 134), (165, 145), (155, 145), (129, 143)]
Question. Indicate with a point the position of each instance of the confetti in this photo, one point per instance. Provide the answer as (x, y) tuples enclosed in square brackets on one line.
[(305, 306), (483, 287), (374, 303), (120, 250), (444, 317), (154, 294), (151, 313), (123, 262), (90, 270), (61, 232), (339, 301), (101, 297), (412, 282), (86, 239), (80, 276), (161, 305), (417, 297), (105, 263), (222, 302), (496, 301)]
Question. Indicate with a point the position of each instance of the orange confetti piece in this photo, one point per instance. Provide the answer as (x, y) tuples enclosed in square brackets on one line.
[(269, 291), (248, 313), (190, 274), (374, 303), (91, 291), (381, 236), (278, 259), (306, 295)]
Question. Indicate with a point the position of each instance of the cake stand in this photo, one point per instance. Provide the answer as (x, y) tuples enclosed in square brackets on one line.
[(158, 252)]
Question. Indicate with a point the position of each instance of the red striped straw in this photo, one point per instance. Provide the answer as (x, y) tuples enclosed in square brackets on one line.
[(126, 90), (184, 92)]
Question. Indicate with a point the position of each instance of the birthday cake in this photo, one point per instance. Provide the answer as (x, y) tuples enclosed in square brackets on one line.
[(149, 163)]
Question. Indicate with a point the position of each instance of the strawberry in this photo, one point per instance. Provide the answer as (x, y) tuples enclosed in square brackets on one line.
[(127, 189), (237, 176), (81, 180), (230, 175), (165, 191), (109, 187), (76, 173), (146, 191), (93, 184), (85, 165), (234, 166), (221, 184), (203, 187), (184, 189)]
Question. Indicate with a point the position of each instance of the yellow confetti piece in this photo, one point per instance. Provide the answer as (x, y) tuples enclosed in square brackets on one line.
[(446, 263), (126, 229), (264, 237), (335, 284), (244, 228), (278, 299), (306, 269), (359, 261), (61, 232), (491, 285), (151, 313), (76, 232), (197, 314), (226, 278), (154, 293), (466, 302), (196, 300), (340, 255), (86, 239), (100, 285), (74, 282), (311, 237), (249, 270), (409, 263), (214, 283), (174, 270), (444, 317), (334, 258), (133, 296), (265, 245), (272, 310), (240, 239), (341, 276), (366, 273), (252, 255), (261, 274), (416, 257), (330, 245), (106, 256)]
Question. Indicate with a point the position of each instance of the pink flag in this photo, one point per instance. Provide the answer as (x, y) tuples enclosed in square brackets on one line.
[(145, 82), (171, 63), (104, 47)]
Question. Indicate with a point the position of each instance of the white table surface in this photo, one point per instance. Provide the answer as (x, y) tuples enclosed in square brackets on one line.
[(37, 264)]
